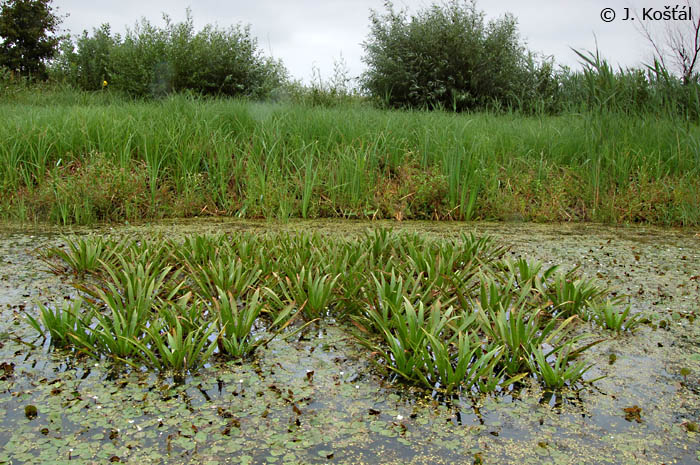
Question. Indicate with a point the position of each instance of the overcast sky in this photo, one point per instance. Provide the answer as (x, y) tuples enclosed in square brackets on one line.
[(308, 33)]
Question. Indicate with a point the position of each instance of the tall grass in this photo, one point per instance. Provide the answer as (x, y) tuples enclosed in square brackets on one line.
[(632, 90), (107, 159)]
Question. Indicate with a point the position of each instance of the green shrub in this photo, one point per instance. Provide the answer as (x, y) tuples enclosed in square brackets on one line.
[(86, 63), (154, 61), (447, 56)]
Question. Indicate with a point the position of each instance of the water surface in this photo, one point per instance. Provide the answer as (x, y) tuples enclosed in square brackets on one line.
[(272, 411)]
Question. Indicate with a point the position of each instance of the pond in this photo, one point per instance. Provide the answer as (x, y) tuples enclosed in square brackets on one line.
[(316, 398)]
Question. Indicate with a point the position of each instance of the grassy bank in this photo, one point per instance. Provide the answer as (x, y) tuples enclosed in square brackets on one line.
[(79, 158)]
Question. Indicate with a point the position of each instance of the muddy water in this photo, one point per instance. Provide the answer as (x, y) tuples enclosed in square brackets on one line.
[(271, 411)]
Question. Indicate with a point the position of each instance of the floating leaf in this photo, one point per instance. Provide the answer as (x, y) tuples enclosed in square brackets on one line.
[(633, 413), (30, 411)]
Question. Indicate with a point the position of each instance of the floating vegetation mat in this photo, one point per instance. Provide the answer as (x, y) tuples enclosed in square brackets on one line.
[(378, 346)]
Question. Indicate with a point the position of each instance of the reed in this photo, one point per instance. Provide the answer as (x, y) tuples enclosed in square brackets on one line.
[(182, 155)]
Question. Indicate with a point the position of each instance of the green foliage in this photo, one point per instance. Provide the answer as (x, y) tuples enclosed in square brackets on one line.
[(123, 307), (404, 336), (28, 32), (236, 324), (339, 90), (444, 314), (434, 347), (106, 159), (154, 61), (387, 298), (519, 331), (310, 290), (65, 325), (82, 255), (174, 347), (468, 366), (237, 319), (528, 273), (200, 250), (630, 91), (447, 56), (226, 274), (608, 315), (570, 294), (487, 343), (561, 371), (86, 63)]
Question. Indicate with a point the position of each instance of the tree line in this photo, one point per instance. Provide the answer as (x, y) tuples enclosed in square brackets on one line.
[(445, 56)]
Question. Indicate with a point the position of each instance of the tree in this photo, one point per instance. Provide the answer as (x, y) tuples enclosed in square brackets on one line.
[(151, 60), (28, 30), (448, 56), (677, 48)]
